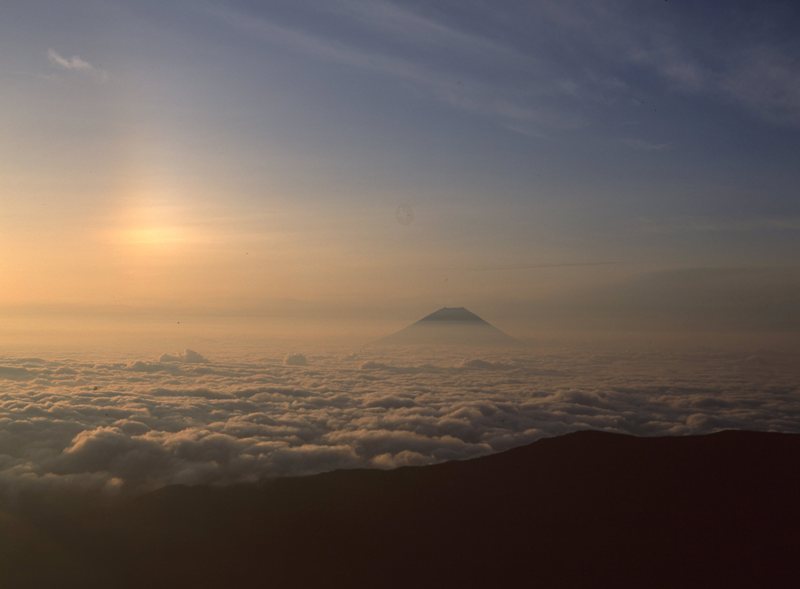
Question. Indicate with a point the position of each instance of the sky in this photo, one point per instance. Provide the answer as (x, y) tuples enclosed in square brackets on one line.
[(346, 166)]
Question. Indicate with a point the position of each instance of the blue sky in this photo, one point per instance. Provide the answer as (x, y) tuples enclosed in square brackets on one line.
[(661, 136)]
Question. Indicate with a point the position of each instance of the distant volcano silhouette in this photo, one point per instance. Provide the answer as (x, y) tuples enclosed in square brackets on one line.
[(450, 326)]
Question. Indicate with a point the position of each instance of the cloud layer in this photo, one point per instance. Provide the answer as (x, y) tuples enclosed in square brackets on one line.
[(145, 424)]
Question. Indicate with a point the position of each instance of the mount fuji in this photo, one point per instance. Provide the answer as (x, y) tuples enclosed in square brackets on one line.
[(450, 326)]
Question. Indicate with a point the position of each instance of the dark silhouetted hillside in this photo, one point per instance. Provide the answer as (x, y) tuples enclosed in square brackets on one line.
[(583, 510)]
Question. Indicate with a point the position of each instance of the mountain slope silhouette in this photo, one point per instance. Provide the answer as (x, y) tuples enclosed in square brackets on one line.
[(450, 326), (585, 510)]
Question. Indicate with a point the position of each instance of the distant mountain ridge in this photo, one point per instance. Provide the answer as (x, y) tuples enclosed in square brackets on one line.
[(450, 326)]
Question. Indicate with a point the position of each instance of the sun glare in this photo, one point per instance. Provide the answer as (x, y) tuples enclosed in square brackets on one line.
[(152, 226), (154, 236)]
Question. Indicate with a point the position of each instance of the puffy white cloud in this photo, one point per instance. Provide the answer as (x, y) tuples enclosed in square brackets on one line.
[(404, 458), (391, 402), (188, 356), (295, 360), (14, 372), (479, 364), (143, 366), (144, 424)]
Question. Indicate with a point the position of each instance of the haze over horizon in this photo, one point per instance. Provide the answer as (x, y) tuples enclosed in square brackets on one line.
[(338, 169)]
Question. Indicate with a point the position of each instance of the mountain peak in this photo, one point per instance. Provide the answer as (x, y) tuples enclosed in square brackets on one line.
[(452, 314), (451, 326)]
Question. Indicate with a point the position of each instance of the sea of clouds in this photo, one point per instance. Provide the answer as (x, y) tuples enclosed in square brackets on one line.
[(186, 419)]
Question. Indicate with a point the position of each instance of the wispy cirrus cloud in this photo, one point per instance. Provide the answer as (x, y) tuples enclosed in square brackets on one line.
[(412, 27), (75, 64), (720, 224), (433, 56), (754, 66), (571, 65), (767, 81), (642, 145)]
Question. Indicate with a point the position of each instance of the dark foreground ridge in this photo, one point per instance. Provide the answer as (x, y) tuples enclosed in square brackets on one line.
[(583, 510)]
